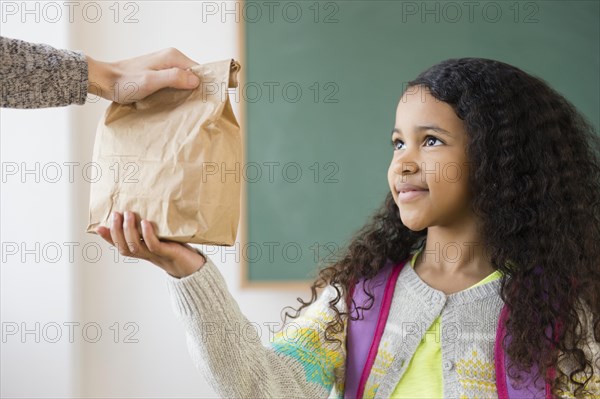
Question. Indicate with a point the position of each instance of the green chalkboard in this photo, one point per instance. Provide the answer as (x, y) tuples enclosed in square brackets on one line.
[(322, 81)]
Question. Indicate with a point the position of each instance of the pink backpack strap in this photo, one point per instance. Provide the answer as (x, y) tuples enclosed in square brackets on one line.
[(505, 389), (364, 335), (551, 370), (499, 361)]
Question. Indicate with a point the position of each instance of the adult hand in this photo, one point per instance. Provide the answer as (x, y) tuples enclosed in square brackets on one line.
[(133, 79), (178, 260)]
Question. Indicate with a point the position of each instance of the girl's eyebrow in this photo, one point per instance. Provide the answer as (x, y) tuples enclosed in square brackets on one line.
[(426, 127)]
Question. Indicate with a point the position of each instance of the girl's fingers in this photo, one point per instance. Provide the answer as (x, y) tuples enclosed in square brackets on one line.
[(116, 233), (151, 240), (134, 243), (105, 234)]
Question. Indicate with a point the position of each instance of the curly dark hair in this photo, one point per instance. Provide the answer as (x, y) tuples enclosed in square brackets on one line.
[(535, 180)]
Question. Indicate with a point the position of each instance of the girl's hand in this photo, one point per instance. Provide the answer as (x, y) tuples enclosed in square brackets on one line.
[(178, 260)]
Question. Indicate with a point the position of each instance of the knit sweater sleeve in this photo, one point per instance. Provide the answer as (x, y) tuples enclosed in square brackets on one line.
[(297, 362), (39, 76)]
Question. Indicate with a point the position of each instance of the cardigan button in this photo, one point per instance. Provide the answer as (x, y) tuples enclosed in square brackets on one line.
[(447, 365)]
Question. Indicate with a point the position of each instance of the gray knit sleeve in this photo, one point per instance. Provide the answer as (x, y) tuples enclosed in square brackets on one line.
[(39, 76), (227, 350)]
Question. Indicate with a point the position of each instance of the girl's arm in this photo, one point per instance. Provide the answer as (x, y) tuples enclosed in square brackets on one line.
[(226, 349), (296, 363)]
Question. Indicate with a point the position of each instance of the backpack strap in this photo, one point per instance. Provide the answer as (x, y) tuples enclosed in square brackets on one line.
[(364, 335), (504, 385), (499, 361)]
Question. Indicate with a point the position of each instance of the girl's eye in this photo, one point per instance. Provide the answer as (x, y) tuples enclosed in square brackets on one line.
[(434, 138), (395, 142)]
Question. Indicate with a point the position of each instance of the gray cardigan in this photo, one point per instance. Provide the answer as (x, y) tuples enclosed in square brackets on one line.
[(300, 363), (39, 76)]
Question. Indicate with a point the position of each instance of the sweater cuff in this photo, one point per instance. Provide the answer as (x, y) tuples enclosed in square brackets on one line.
[(200, 292), (81, 91)]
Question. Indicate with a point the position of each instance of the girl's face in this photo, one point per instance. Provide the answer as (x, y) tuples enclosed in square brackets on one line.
[(429, 143)]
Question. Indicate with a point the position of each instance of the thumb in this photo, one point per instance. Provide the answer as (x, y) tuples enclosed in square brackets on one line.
[(174, 77)]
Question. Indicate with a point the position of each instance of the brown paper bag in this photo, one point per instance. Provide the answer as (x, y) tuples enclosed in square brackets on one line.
[(166, 157)]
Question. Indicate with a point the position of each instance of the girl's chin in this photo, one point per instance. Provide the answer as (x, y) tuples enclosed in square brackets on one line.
[(414, 229), (412, 225)]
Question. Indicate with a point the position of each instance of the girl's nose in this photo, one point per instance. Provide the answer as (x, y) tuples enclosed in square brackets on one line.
[(408, 167), (406, 161), (405, 166)]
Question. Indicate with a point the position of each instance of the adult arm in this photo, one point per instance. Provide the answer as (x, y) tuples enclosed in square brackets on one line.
[(35, 75), (38, 75)]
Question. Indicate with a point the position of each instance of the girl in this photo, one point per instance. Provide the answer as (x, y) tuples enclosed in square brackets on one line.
[(494, 212)]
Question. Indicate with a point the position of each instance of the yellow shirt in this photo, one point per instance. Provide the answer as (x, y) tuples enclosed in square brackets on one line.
[(423, 377)]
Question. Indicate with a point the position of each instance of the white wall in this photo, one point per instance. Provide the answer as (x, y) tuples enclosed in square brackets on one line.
[(103, 292), (35, 291)]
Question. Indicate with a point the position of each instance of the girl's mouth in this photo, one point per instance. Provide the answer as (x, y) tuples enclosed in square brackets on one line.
[(405, 196)]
